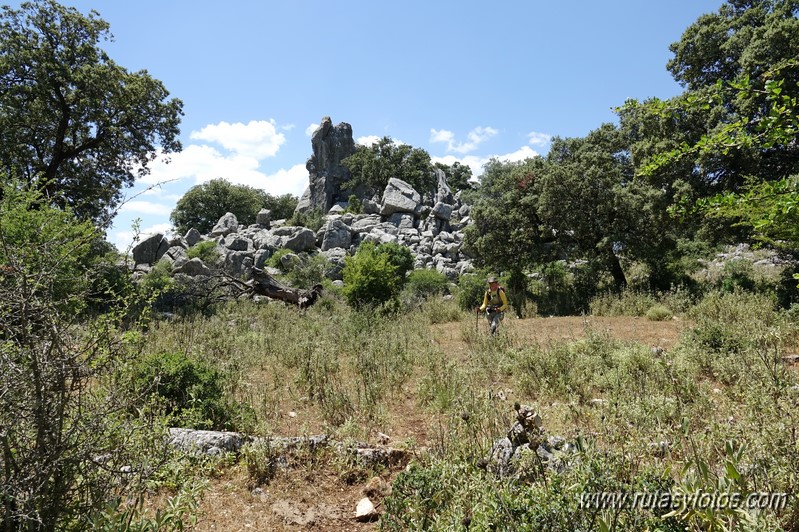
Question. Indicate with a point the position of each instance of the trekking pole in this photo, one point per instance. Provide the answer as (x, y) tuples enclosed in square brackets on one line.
[(477, 320)]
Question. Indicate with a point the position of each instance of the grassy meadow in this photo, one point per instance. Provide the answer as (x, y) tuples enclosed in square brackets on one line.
[(655, 394)]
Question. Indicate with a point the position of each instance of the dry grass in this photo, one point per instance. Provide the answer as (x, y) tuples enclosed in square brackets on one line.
[(320, 498)]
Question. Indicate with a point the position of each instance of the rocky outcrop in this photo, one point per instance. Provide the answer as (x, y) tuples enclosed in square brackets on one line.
[(330, 144), (430, 224)]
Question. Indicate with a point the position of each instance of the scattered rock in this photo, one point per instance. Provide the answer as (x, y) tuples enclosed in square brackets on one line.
[(207, 442), (365, 510)]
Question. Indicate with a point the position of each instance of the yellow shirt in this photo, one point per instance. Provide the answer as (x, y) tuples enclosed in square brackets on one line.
[(496, 297)]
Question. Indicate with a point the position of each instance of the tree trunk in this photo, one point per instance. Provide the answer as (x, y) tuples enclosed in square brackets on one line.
[(266, 285), (616, 271)]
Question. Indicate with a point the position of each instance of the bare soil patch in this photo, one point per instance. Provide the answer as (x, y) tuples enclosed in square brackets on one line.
[(547, 331)]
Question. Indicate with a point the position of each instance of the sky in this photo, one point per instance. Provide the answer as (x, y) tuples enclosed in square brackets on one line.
[(464, 80)]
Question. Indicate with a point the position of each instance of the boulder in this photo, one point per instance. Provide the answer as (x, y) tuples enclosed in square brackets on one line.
[(301, 240), (336, 235), (192, 237), (442, 211), (399, 196), (227, 224), (443, 192), (193, 267), (206, 441), (401, 220), (238, 263), (263, 218), (149, 250), (235, 242)]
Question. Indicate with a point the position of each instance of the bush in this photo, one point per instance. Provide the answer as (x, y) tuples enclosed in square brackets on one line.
[(370, 279), (205, 251), (188, 390), (424, 283), (659, 313), (275, 262), (737, 274), (60, 408), (310, 271), (313, 220), (398, 255), (471, 289), (626, 303)]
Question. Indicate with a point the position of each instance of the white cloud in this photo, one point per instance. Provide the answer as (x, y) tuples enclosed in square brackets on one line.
[(474, 138), (441, 135), (291, 181), (310, 129), (476, 163), (368, 140), (257, 139), (525, 152), (539, 139), (145, 207)]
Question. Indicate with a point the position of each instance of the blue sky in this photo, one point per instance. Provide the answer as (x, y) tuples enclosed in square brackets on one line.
[(464, 80)]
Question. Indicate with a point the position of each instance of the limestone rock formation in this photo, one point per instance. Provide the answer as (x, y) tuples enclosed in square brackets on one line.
[(330, 144)]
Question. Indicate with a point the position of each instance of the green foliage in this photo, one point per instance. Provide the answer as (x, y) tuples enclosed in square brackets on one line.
[(458, 176), (471, 288), (65, 437), (82, 123), (371, 167), (311, 270), (370, 277), (281, 207), (203, 205), (190, 391), (508, 233), (426, 283), (45, 251), (158, 286), (737, 275), (625, 303), (659, 313), (354, 205), (398, 256), (205, 251), (313, 219), (276, 260)]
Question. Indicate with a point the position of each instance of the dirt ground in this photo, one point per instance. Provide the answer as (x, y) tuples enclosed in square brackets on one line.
[(321, 500)]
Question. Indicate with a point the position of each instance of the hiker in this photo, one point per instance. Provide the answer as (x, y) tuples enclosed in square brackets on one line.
[(495, 303)]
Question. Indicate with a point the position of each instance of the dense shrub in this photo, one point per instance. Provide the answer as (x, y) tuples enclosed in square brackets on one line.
[(205, 251), (370, 278), (189, 390), (424, 283), (659, 313), (398, 255), (737, 274), (471, 288)]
